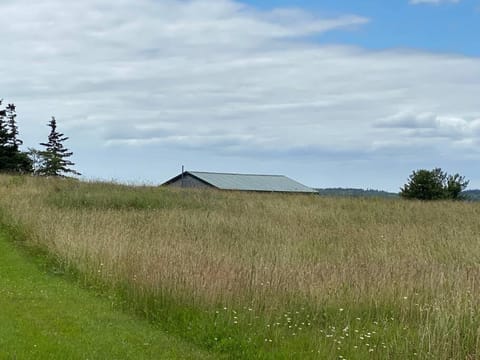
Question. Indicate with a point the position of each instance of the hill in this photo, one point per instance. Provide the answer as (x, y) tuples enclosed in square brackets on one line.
[(473, 195), (266, 276), (356, 192)]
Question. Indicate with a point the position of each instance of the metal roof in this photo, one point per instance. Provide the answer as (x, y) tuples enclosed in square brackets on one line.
[(251, 182)]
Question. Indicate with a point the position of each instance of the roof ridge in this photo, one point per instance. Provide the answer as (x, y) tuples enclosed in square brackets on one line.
[(222, 173)]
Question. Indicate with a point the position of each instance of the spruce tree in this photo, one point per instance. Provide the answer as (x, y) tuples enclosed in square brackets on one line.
[(3, 127), (12, 127), (11, 158), (5, 158), (55, 155)]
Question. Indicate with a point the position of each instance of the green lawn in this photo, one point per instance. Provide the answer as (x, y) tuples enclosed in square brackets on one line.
[(43, 316)]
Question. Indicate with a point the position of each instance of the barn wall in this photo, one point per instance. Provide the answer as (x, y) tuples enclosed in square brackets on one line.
[(190, 182)]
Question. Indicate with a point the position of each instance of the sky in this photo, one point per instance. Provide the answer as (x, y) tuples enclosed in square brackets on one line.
[(334, 93)]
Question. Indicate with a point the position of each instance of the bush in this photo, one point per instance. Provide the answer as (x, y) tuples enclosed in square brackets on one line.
[(433, 185)]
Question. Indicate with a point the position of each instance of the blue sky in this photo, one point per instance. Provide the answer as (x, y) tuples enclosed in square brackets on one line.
[(330, 93), (440, 27)]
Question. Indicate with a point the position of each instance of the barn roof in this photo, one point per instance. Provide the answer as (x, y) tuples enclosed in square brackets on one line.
[(249, 182)]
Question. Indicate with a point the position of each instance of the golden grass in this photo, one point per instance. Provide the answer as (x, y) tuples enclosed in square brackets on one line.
[(269, 251)]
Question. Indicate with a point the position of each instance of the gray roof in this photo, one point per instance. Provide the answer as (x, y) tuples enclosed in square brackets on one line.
[(250, 182)]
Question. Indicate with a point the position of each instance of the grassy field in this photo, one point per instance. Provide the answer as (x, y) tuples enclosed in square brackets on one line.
[(267, 276), (42, 316)]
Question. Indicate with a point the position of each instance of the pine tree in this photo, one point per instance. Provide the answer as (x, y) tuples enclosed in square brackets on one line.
[(12, 127), (11, 158), (5, 156), (3, 127), (55, 155)]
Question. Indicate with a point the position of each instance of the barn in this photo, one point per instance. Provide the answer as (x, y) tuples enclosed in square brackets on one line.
[(240, 182)]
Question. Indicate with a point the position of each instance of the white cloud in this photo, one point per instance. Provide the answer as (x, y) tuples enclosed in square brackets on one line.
[(424, 125), (216, 76)]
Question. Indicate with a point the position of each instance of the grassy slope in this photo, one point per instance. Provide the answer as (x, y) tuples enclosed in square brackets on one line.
[(267, 276), (42, 316)]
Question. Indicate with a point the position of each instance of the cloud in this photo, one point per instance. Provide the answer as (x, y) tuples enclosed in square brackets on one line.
[(432, 125), (219, 77)]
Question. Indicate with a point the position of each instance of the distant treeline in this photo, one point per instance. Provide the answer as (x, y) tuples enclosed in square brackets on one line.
[(472, 195), (355, 192)]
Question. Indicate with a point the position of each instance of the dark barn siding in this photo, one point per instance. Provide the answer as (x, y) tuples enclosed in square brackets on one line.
[(190, 182)]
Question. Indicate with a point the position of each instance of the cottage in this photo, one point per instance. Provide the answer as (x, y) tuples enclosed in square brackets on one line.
[(241, 182)]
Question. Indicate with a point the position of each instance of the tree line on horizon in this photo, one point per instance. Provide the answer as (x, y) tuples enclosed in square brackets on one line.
[(51, 161), (422, 184)]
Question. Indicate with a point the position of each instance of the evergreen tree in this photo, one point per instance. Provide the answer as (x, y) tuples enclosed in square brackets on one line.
[(11, 158), (12, 127), (3, 127), (55, 162)]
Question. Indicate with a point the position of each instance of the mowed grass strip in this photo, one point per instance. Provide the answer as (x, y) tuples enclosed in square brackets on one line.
[(43, 316)]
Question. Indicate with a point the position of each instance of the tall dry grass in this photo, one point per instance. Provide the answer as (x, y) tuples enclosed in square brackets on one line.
[(340, 260)]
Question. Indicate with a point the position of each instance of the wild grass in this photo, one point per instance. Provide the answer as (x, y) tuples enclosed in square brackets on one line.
[(45, 317), (270, 275)]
